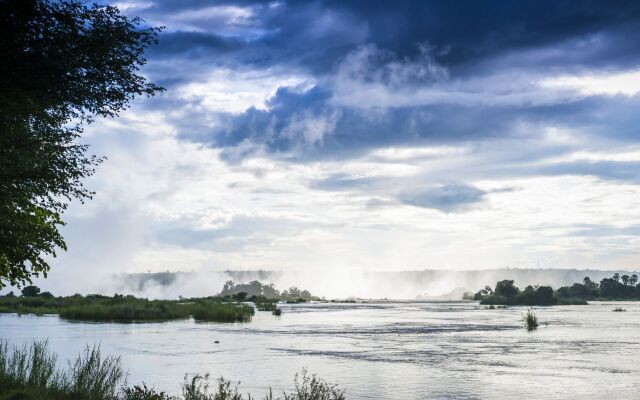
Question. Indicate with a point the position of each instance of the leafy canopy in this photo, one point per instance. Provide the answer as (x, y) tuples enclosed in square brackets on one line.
[(62, 64)]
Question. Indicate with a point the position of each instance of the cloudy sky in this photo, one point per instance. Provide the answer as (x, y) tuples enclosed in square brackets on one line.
[(376, 135)]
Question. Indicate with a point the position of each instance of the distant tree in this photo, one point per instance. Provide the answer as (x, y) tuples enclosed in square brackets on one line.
[(46, 295), (241, 296), (506, 288), (62, 64), (633, 280), (270, 292), (616, 277), (30, 291), (544, 295), (611, 288), (625, 279), (482, 293)]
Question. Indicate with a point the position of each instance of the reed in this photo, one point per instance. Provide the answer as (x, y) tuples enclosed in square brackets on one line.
[(128, 308), (29, 373), (530, 320)]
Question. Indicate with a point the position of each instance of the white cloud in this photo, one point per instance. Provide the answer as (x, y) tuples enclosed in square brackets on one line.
[(234, 91), (622, 83)]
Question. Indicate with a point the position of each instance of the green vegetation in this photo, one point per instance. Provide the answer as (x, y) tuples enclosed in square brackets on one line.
[(229, 306), (268, 292), (127, 308), (530, 320), (617, 287), (506, 293), (29, 373), (63, 64)]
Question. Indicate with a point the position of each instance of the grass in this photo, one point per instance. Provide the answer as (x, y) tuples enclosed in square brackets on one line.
[(29, 373), (121, 308), (530, 320)]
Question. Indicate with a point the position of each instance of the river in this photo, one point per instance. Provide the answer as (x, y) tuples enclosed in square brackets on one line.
[(385, 350)]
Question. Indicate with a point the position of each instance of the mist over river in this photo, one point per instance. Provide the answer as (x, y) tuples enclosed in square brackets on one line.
[(387, 350)]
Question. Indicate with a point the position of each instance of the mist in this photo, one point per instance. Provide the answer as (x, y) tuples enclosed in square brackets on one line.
[(329, 283)]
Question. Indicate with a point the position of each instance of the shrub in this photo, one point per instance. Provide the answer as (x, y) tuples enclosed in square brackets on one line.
[(530, 320), (144, 393), (310, 387), (30, 291)]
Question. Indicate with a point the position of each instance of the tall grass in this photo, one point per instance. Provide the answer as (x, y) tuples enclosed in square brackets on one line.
[(29, 373), (222, 312), (128, 308), (530, 320)]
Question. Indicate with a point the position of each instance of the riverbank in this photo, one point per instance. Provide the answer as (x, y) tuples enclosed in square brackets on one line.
[(30, 373)]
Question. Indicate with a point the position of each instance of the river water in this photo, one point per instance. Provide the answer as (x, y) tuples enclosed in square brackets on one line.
[(385, 350)]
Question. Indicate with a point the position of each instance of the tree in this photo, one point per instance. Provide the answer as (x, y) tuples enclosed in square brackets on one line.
[(616, 277), (30, 291), (625, 279), (240, 296), (633, 280), (63, 64), (506, 288)]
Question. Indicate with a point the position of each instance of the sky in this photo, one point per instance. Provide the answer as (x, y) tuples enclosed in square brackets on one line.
[(371, 135)]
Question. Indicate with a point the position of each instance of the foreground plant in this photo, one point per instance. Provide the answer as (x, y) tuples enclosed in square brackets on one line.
[(29, 373)]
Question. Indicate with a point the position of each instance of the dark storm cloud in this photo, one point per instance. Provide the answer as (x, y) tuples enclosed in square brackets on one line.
[(314, 34), (407, 47)]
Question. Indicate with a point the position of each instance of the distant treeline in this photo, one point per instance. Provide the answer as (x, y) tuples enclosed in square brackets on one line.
[(268, 291), (618, 287)]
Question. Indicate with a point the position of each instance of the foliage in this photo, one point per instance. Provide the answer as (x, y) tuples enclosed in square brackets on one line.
[(143, 393), (128, 308), (310, 387), (482, 293), (30, 291), (506, 288), (30, 373), (530, 320), (63, 64), (256, 289), (617, 287)]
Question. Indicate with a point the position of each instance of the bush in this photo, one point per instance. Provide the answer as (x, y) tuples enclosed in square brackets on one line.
[(30, 291), (530, 320), (310, 387), (29, 373), (127, 308), (144, 393)]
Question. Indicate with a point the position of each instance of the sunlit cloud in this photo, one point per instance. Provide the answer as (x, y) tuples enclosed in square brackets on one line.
[(316, 136)]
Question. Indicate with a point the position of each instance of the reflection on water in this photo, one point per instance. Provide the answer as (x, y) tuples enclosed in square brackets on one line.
[(378, 350)]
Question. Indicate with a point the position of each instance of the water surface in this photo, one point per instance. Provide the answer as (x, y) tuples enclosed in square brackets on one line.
[(377, 350)]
